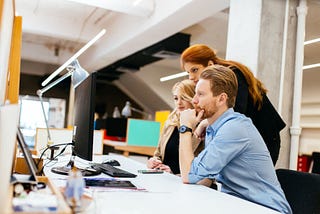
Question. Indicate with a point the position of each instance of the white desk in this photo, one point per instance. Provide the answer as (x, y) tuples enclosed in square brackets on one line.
[(165, 193)]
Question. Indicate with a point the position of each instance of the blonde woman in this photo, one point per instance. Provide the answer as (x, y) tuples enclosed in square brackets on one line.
[(166, 156)]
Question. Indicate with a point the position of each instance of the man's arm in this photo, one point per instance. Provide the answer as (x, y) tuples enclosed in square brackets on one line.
[(186, 156)]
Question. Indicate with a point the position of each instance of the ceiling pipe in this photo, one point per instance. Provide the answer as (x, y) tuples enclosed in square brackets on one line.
[(295, 129), (143, 8)]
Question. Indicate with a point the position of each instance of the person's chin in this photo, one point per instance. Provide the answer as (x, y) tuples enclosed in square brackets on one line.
[(181, 109)]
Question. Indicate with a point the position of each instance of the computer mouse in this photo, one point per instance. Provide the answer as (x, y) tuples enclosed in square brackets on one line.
[(112, 162)]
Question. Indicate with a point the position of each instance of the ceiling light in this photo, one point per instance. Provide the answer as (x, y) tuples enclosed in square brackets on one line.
[(311, 66), (174, 76), (311, 41)]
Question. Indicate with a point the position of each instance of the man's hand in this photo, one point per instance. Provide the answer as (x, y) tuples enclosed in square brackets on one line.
[(200, 130), (190, 118)]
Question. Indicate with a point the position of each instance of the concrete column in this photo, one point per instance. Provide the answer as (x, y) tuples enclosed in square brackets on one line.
[(261, 35), (244, 32)]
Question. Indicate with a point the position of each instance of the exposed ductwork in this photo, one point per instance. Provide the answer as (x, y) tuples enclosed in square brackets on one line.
[(170, 47)]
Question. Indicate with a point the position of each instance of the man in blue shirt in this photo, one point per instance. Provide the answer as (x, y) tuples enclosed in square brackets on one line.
[(235, 153)]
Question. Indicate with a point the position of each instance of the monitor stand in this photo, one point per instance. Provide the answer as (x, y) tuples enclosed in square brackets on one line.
[(64, 170)]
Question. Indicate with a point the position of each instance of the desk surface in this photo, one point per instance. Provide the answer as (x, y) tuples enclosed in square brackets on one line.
[(164, 193)]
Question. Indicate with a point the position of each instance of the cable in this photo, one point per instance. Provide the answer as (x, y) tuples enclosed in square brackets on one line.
[(60, 153), (55, 145)]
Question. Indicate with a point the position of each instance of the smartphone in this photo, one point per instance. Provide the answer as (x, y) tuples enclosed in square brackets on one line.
[(150, 171)]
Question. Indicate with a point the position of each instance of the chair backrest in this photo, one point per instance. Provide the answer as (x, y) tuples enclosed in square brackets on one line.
[(301, 189), (315, 162)]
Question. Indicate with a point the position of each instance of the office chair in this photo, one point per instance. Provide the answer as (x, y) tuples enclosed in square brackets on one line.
[(301, 189), (315, 163)]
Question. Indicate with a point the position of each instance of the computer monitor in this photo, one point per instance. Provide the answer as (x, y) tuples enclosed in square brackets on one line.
[(84, 107), (83, 123), (116, 127)]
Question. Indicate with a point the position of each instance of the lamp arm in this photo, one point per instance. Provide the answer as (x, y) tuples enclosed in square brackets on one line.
[(45, 119), (43, 90), (40, 92)]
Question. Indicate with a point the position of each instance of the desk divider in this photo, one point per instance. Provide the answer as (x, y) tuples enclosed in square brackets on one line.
[(143, 132)]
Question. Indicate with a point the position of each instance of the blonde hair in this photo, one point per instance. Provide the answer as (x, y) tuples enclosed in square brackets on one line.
[(186, 89), (202, 54)]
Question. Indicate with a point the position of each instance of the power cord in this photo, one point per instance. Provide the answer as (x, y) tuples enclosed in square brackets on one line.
[(49, 147)]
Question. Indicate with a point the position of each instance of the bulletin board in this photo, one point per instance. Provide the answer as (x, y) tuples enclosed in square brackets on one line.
[(143, 132)]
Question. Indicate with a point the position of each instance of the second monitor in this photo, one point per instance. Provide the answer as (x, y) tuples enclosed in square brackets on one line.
[(116, 128)]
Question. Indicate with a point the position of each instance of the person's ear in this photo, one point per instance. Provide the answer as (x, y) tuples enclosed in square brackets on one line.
[(210, 63), (223, 98)]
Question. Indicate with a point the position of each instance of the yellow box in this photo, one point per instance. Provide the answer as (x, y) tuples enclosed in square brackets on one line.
[(161, 116)]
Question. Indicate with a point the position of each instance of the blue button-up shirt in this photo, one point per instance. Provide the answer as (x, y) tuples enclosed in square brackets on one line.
[(237, 157)]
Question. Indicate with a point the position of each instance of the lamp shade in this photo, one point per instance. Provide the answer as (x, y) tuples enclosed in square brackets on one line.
[(79, 74), (126, 111)]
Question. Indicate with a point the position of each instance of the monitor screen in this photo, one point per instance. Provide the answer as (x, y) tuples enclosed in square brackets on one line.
[(84, 107)]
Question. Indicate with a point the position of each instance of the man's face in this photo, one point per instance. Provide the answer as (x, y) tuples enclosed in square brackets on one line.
[(204, 99)]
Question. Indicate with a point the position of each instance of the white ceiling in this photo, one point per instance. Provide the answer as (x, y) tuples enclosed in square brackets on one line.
[(53, 30)]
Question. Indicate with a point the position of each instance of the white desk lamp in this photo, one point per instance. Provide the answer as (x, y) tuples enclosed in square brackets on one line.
[(77, 73), (127, 111)]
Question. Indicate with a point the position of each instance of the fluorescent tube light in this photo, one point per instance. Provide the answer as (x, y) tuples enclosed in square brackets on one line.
[(311, 66), (311, 41), (174, 76)]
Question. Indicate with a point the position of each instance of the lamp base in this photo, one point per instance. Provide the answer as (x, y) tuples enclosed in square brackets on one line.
[(52, 149), (64, 170)]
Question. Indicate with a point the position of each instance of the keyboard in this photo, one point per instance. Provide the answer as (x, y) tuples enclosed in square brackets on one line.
[(113, 171)]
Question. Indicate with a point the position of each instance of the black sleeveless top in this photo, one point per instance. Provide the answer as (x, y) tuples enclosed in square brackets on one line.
[(171, 155)]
